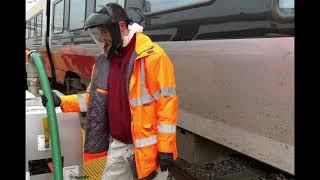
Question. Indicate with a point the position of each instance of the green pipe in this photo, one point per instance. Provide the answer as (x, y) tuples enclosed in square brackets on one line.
[(53, 125)]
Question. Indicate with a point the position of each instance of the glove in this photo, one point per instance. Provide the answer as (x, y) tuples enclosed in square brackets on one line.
[(165, 160), (56, 100)]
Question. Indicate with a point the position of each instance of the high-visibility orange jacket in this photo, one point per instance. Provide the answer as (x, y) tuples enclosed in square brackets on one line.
[(153, 103)]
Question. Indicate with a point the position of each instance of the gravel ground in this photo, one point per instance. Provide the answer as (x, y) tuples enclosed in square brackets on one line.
[(207, 170), (233, 167)]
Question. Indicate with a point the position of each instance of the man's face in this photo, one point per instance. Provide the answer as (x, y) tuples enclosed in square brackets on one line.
[(105, 37), (105, 34)]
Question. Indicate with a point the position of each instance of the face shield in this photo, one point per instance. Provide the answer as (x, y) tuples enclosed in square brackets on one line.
[(101, 36), (105, 31)]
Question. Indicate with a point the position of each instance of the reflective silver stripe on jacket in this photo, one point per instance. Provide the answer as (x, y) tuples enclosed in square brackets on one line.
[(82, 103), (139, 143)]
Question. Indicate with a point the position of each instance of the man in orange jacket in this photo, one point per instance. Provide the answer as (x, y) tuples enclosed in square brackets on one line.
[(131, 101)]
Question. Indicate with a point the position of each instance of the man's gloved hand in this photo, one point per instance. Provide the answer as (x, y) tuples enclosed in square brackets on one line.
[(165, 160), (56, 100)]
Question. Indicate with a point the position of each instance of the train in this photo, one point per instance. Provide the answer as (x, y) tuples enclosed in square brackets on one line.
[(234, 64)]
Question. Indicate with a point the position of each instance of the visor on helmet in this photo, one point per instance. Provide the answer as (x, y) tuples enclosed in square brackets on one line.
[(96, 23), (100, 36)]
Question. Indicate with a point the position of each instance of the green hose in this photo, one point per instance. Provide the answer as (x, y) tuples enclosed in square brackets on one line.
[(53, 125)]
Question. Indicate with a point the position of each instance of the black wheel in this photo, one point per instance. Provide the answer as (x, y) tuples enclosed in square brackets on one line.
[(73, 85)]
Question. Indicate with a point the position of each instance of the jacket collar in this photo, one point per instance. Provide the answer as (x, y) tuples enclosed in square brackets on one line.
[(144, 45)]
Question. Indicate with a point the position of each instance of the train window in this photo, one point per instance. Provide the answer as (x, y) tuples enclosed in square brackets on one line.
[(58, 17), (77, 14), (27, 29), (39, 25), (283, 10), (156, 6), (100, 3), (286, 6), (32, 31), (121, 2)]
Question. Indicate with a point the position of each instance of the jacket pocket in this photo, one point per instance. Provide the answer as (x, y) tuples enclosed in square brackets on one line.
[(149, 117)]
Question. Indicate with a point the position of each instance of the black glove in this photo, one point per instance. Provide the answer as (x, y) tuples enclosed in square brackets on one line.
[(165, 160), (56, 100)]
